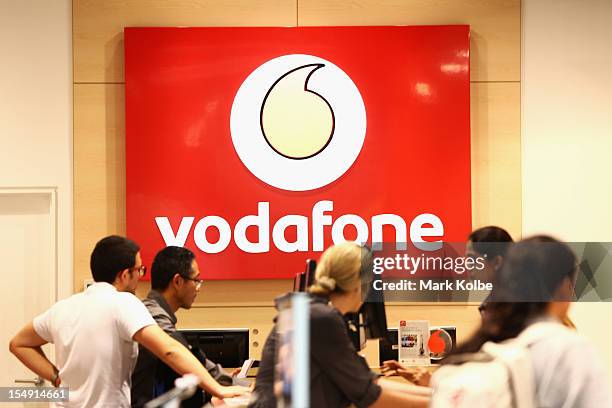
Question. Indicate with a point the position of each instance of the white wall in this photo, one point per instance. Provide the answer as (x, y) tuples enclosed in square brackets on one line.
[(567, 132), (36, 108)]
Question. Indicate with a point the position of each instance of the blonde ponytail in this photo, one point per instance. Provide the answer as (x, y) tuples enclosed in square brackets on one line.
[(338, 269)]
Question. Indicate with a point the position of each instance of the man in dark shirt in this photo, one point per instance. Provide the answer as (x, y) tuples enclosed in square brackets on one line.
[(175, 282)]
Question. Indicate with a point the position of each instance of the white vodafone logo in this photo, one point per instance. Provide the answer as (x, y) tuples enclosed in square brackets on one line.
[(298, 122)]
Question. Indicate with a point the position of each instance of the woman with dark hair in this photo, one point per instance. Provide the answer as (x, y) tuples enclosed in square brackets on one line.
[(490, 243), (535, 284)]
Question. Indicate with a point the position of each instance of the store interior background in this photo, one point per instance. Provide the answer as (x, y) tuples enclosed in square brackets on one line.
[(541, 112)]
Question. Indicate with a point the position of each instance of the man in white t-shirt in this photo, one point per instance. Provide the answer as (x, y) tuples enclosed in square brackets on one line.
[(96, 332)]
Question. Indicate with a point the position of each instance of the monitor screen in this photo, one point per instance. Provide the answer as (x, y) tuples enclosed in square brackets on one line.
[(303, 280), (228, 347), (370, 322), (297, 279), (373, 310), (311, 266), (375, 320)]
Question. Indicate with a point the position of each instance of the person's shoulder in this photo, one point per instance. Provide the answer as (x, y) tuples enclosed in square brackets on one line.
[(323, 316), (153, 306), (568, 370), (127, 299), (572, 340), (322, 309), (69, 303), (127, 296), (160, 315), (61, 312), (71, 299), (563, 335), (61, 308), (563, 342)]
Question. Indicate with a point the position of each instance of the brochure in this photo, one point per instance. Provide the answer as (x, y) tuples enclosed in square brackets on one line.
[(413, 336)]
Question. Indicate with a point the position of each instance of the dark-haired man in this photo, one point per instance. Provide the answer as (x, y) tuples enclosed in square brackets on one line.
[(175, 282), (95, 334)]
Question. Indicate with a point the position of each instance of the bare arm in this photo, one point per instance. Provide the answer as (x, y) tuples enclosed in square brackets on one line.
[(404, 387), (26, 346), (396, 399), (180, 359), (418, 375)]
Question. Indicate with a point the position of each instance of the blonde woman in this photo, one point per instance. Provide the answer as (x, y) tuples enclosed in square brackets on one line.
[(338, 375)]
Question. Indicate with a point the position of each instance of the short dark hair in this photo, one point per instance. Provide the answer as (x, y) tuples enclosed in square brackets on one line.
[(490, 241), (110, 256), (167, 263)]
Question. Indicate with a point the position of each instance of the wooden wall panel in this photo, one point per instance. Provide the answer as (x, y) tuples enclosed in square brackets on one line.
[(496, 155), (98, 26), (495, 26), (242, 293), (99, 169)]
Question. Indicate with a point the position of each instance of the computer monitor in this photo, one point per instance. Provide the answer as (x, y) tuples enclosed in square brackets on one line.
[(297, 282), (375, 320), (228, 347), (303, 280), (311, 266), (369, 323), (371, 320), (374, 314)]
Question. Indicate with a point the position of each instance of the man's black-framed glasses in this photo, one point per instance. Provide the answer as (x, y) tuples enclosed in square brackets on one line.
[(198, 282), (142, 270)]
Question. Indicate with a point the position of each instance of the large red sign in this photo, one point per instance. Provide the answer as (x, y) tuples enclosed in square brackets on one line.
[(259, 147)]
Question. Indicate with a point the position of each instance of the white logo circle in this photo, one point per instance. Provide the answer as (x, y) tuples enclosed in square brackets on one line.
[(298, 122)]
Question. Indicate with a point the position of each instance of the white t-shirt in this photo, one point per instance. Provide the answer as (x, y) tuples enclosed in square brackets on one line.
[(569, 373), (95, 354)]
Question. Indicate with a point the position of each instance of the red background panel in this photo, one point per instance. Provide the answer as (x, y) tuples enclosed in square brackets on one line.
[(180, 85)]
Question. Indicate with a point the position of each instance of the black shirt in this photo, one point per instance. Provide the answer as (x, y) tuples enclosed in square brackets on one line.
[(338, 375)]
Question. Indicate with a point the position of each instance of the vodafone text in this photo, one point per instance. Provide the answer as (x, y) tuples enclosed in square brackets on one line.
[(422, 226)]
